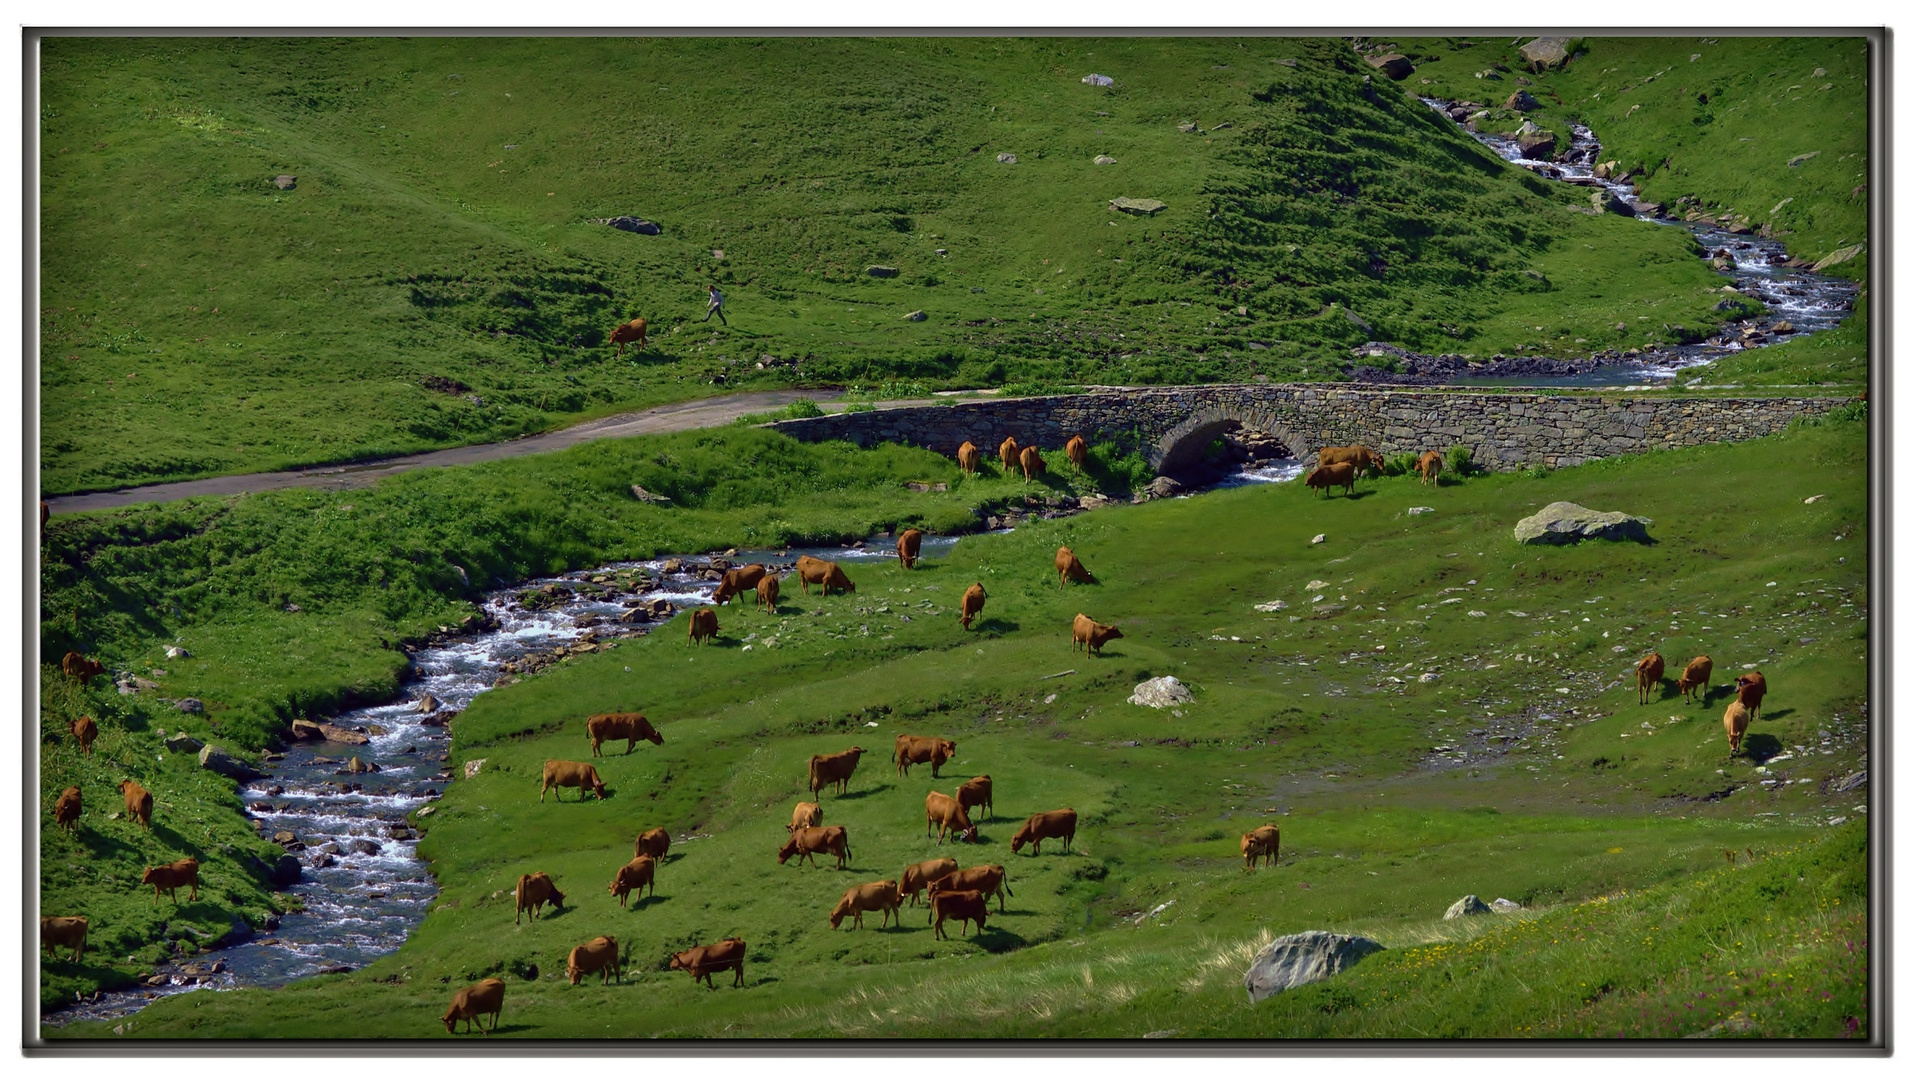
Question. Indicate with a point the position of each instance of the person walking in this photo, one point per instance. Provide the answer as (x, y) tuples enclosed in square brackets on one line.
[(715, 305)]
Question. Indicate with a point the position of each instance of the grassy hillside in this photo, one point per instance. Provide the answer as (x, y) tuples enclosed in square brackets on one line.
[(1526, 769), (434, 278)]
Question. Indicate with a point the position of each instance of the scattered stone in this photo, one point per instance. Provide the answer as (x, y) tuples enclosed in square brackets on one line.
[(1857, 779), (1104, 160), (190, 705), (883, 271), (914, 316), (1318, 538), (1162, 487), (473, 767), (181, 743), (644, 495), (1415, 511), (175, 652), (1008, 159), (355, 765), (1801, 160), (1430, 676), (1393, 65), (1535, 143), (1521, 101), (363, 847), (218, 760), (426, 704), (1607, 201), (1271, 605), (1566, 522), (1161, 693), (1098, 80), (1467, 905), (291, 607), (1301, 959), (1144, 207), (1545, 52), (1505, 907), (285, 181), (626, 223), (1188, 127), (308, 730), (1844, 254)]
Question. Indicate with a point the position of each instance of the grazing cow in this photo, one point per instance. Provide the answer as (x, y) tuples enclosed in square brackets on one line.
[(950, 816), (1009, 455), (1330, 477), (636, 874), (1092, 635), (971, 604), (1045, 825), (566, 774), (968, 458), (910, 750), (1358, 455), (139, 802), (614, 726), (769, 593), (602, 954), (985, 880), (1751, 688), (1030, 463), (738, 582), (1263, 841), (1076, 453), (1695, 677), (85, 731), (975, 792), (806, 815), (68, 930), (963, 906), (1737, 717), (483, 997), (808, 842), (703, 960), (909, 547), (652, 842), (171, 876), (1651, 669), (66, 810), (79, 668), (921, 874), (832, 769), (827, 575), (533, 890), (1431, 464), (880, 896), (702, 626), (1069, 568), (634, 331)]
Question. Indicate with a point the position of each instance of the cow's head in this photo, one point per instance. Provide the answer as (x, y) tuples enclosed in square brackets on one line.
[(559, 898), (448, 1020), (971, 835), (789, 849), (599, 789)]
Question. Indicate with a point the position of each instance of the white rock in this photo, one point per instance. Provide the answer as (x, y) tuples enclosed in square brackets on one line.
[(473, 767), (1415, 511), (1273, 605), (1300, 959), (1315, 584), (1161, 693), (175, 652), (1809, 502), (1320, 539), (1467, 905), (1430, 676)]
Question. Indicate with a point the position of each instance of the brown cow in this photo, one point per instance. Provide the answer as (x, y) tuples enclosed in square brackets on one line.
[(1751, 688), (1737, 717), (66, 810), (1263, 841), (652, 842), (921, 874), (79, 668), (806, 815), (1330, 477), (702, 626), (636, 874), (963, 906), (566, 774), (909, 547), (703, 960), (806, 843), (1651, 669), (485, 996), (986, 880), (769, 593), (614, 726), (1009, 455), (738, 582), (1696, 675), (1358, 455), (1031, 463), (171, 876), (975, 792), (880, 896), (1076, 453), (1045, 825), (625, 332), (968, 458), (1069, 568), (139, 802), (944, 811), (971, 604), (602, 954), (832, 769), (1092, 635), (534, 890), (827, 575), (910, 750), (85, 731), (68, 930), (1431, 464)]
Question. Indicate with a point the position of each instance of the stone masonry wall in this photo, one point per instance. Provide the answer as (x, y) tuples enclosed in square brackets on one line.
[(1171, 425)]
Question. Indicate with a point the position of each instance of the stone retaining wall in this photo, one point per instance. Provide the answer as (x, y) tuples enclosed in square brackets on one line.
[(1172, 426)]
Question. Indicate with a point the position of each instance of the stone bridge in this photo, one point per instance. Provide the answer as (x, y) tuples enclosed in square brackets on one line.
[(1173, 426)]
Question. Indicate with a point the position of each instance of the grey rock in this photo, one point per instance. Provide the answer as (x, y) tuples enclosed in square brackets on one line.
[(1521, 101), (1545, 52), (1858, 779), (181, 743), (1393, 66), (285, 181), (883, 271), (1104, 160), (1008, 159), (1162, 487), (1301, 959), (1188, 127), (426, 704), (1567, 522), (1801, 160), (1537, 144), (1098, 80), (1467, 905), (1504, 906), (363, 847), (190, 705), (644, 495), (1161, 693), (1430, 676), (914, 316), (630, 224), (218, 760), (1143, 207), (175, 652), (308, 730), (1606, 201)]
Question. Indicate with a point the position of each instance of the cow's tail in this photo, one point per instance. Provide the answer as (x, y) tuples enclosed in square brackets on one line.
[(1006, 882)]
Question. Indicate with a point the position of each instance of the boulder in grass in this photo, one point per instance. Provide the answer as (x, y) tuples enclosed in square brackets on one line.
[(1467, 905), (217, 760), (1098, 80), (1393, 66), (1302, 959), (1568, 522), (285, 181), (181, 743), (1143, 207), (1546, 52), (1161, 693), (1521, 101)]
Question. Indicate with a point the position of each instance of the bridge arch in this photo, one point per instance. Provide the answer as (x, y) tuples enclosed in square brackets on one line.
[(1180, 449)]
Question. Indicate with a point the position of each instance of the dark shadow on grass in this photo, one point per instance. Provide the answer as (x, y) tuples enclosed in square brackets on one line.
[(1776, 714), (1762, 748), (101, 846), (860, 794), (638, 902), (995, 940), (993, 626)]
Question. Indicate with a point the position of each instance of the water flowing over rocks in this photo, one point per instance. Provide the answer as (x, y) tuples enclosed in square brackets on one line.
[(1300, 959)]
